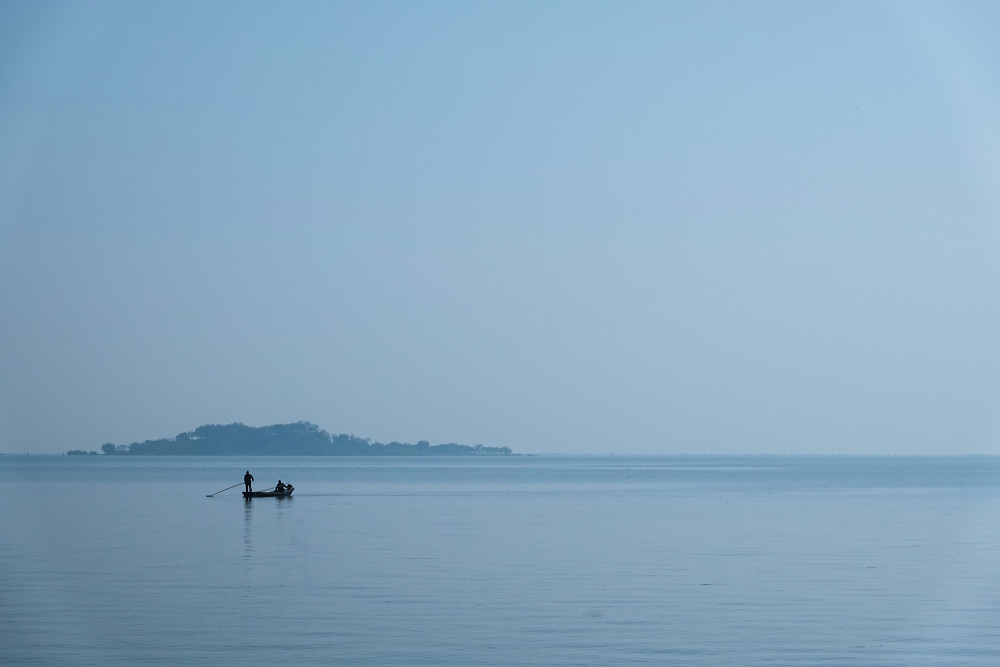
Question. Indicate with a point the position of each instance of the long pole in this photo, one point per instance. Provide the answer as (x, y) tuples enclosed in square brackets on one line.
[(225, 489)]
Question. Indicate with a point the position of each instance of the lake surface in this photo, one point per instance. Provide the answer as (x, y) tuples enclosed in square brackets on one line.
[(501, 561)]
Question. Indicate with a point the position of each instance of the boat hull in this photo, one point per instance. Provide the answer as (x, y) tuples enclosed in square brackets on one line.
[(268, 494)]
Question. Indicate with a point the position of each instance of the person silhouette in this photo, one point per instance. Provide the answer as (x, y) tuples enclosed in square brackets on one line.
[(247, 479), (280, 488)]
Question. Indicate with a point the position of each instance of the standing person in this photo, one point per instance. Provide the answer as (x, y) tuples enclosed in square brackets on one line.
[(247, 479)]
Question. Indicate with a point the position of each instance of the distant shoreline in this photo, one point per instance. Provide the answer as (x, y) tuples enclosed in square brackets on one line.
[(298, 439)]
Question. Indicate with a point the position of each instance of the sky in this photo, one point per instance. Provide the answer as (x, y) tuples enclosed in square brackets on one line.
[(561, 227)]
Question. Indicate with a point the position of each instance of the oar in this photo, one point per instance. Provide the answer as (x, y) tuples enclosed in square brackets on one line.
[(225, 489)]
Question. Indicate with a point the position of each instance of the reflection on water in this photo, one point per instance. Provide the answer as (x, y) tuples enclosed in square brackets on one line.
[(248, 527), (271, 512)]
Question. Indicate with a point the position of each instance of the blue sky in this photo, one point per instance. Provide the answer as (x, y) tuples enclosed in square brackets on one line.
[(559, 227)]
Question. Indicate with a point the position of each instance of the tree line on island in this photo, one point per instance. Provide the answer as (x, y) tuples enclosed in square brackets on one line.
[(298, 439)]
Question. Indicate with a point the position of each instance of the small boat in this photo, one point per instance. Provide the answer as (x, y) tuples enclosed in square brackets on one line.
[(269, 494)]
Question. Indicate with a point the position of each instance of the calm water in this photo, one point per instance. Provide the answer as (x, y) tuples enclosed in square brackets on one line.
[(513, 561)]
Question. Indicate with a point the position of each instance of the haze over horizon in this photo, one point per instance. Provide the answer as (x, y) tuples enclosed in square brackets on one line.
[(560, 227)]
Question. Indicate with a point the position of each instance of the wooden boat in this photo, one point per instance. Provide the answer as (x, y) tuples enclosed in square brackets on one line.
[(269, 494)]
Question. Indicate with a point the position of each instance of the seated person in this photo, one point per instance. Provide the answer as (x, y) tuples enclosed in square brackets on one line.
[(280, 488)]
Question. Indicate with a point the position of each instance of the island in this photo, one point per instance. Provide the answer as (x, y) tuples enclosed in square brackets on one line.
[(298, 439)]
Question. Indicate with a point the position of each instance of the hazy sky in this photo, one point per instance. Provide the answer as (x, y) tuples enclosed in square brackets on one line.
[(630, 227)]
